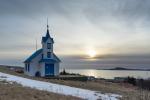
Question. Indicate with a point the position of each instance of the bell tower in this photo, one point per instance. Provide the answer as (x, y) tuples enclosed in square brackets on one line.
[(47, 45)]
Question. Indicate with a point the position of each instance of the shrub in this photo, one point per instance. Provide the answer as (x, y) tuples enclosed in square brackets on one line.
[(131, 80)]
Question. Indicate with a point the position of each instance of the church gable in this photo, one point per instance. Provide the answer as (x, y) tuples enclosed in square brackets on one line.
[(47, 37)]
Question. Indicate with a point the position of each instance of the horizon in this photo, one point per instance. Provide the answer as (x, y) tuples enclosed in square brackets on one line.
[(92, 34)]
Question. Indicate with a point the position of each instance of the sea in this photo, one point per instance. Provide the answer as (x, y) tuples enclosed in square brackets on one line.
[(93, 67), (111, 74)]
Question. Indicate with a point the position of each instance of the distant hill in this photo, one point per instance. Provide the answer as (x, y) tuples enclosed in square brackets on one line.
[(122, 68)]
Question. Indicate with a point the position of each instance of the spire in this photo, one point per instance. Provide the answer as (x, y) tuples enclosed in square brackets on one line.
[(47, 25), (47, 34), (44, 39)]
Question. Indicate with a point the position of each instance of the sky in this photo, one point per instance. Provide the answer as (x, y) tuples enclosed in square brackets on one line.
[(115, 30)]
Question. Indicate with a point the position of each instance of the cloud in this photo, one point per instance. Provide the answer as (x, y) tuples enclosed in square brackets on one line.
[(109, 26)]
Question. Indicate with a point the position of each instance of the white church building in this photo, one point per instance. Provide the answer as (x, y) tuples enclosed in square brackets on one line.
[(43, 62)]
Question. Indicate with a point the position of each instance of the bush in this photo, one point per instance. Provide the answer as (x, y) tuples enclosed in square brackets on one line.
[(19, 71), (64, 72), (131, 80)]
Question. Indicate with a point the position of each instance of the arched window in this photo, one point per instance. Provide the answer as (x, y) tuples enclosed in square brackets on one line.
[(27, 67), (48, 45), (48, 54)]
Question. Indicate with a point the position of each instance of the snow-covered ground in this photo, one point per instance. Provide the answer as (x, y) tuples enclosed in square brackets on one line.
[(60, 89)]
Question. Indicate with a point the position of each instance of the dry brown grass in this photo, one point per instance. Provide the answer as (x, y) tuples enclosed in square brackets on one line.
[(5, 69), (128, 91), (137, 95), (17, 92)]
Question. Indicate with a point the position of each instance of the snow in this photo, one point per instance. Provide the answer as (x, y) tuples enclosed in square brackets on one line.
[(60, 89)]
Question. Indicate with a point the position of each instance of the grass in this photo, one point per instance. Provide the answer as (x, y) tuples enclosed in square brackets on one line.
[(128, 91), (5, 69), (17, 92), (137, 95)]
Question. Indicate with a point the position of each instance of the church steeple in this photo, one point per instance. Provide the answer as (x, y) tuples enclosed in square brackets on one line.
[(47, 33), (45, 38)]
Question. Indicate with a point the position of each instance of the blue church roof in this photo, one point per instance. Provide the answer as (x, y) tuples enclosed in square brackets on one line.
[(48, 60), (33, 55), (55, 58)]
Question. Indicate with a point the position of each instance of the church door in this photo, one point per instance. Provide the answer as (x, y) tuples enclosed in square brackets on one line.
[(49, 69)]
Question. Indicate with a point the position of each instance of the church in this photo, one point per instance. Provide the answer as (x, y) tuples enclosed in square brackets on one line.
[(43, 62)]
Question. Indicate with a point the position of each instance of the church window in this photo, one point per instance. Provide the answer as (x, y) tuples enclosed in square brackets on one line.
[(48, 45), (48, 54), (28, 67)]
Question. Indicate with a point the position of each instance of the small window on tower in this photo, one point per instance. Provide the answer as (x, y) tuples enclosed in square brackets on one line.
[(48, 45), (48, 54)]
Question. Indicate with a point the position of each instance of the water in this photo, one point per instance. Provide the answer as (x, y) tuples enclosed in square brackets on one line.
[(110, 74)]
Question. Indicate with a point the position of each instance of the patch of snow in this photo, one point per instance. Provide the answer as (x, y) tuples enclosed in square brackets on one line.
[(60, 89)]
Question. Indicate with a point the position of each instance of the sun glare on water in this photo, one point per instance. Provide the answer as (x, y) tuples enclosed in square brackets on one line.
[(91, 53)]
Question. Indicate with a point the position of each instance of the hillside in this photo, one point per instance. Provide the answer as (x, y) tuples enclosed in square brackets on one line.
[(128, 91)]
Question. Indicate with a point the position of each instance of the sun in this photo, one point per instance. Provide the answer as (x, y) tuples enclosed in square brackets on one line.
[(91, 53)]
